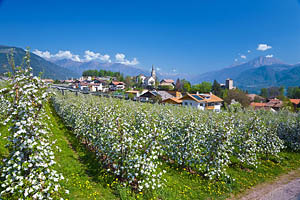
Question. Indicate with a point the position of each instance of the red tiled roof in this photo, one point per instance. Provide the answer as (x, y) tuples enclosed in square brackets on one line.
[(274, 103), (295, 101), (254, 104), (176, 100), (117, 83)]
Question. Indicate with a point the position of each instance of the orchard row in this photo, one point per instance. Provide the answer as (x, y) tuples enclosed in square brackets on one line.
[(28, 171), (133, 139)]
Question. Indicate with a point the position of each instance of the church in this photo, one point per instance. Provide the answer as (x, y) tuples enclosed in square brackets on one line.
[(147, 81)]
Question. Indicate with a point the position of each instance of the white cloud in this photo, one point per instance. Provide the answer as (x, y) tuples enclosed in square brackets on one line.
[(120, 58), (45, 54), (263, 47), (58, 56), (89, 55), (249, 51), (66, 55), (243, 56), (270, 56), (157, 68), (174, 70), (236, 60)]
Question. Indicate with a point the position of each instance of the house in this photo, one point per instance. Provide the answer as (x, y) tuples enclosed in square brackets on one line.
[(258, 106), (69, 81), (275, 104), (175, 93), (154, 96), (167, 83), (103, 78), (135, 94), (116, 85), (95, 87), (203, 101), (173, 100), (296, 103), (83, 86)]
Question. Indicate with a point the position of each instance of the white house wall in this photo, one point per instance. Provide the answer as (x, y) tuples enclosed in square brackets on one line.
[(193, 104), (197, 105)]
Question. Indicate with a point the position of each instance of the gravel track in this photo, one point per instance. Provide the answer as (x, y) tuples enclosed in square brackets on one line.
[(286, 187)]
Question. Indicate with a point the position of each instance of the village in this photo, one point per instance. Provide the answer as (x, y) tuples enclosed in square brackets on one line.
[(180, 93)]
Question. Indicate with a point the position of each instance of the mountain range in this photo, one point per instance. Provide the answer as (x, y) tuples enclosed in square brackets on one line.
[(252, 76), (127, 70), (38, 64), (256, 74), (79, 67)]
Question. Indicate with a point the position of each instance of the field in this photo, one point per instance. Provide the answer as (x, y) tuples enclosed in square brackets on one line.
[(104, 148)]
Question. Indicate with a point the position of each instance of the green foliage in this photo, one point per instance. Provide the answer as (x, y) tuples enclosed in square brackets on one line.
[(216, 89), (293, 92), (204, 87), (186, 86), (129, 81), (131, 96), (103, 73), (238, 96), (264, 92), (166, 87), (273, 92), (178, 85), (56, 81)]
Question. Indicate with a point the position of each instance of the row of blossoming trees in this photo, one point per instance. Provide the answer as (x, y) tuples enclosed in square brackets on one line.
[(133, 139), (27, 172)]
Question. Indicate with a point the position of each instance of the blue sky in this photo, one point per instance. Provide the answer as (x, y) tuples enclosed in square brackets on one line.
[(191, 36)]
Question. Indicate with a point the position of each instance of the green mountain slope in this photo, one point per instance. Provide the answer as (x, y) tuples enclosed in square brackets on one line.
[(266, 76), (258, 73), (38, 64)]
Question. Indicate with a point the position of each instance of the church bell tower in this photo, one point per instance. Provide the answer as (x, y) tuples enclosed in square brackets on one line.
[(153, 72)]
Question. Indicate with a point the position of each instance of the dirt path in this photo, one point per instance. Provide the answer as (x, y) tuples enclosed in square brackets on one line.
[(285, 187)]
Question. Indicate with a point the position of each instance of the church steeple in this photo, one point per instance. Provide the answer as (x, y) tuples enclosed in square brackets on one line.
[(153, 72)]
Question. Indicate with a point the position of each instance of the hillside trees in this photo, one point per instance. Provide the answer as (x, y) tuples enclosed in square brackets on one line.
[(204, 87), (216, 88), (293, 92), (238, 96), (272, 92), (103, 73)]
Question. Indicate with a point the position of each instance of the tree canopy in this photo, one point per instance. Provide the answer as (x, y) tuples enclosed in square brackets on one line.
[(103, 73), (293, 92), (204, 87)]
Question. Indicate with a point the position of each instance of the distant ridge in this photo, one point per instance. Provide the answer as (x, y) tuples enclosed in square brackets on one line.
[(38, 64), (256, 74), (127, 70)]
